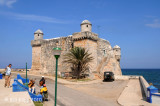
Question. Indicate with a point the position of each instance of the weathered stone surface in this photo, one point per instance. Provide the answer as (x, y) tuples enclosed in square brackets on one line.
[(38, 35), (91, 47), (36, 58), (106, 58), (86, 26)]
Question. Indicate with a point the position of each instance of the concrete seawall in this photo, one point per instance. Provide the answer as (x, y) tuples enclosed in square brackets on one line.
[(126, 77), (135, 92), (2, 70), (15, 69), (144, 84), (155, 97)]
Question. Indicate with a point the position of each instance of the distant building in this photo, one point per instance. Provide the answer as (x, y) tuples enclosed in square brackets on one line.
[(106, 58)]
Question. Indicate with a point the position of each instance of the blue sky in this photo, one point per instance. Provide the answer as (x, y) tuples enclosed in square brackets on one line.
[(134, 25)]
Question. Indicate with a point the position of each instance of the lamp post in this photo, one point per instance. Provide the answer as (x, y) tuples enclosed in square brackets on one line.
[(26, 84), (57, 53)]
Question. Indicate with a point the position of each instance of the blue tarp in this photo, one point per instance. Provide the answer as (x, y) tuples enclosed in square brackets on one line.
[(1, 76)]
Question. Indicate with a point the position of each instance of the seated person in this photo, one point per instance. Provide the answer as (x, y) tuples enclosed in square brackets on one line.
[(31, 86), (44, 92), (41, 82)]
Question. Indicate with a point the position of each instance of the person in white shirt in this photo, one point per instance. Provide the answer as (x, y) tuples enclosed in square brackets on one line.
[(8, 76)]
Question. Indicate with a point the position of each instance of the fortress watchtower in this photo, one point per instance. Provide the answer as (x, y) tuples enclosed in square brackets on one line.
[(38, 35), (36, 50), (88, 40), (86, 26), (117, 52)]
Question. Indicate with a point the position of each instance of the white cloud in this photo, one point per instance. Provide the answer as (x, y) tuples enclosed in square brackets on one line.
[(31, 17), (98, 3), (7, 3), (150, 16), (154, 24)]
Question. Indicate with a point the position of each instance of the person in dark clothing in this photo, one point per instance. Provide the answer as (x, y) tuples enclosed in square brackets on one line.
[(42, 81)]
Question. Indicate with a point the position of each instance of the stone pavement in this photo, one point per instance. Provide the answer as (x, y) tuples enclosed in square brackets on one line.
[(132, 95), (9, 98)]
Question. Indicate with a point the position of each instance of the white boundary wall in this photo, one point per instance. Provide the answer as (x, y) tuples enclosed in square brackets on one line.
[(144, 84), (125, 77)]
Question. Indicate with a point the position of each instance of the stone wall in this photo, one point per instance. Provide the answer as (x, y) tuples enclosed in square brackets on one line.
[(43, 59), (103, 49), (91, 46), (36, 58), (105, 57), (114, 66), (47, 56)]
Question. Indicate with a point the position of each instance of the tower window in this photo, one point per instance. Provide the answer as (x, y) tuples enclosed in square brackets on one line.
[(104, 51), (72, 45), (86, 25), (38, 34)]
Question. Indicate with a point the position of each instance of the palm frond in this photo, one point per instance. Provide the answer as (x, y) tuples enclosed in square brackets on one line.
[(79, 58)]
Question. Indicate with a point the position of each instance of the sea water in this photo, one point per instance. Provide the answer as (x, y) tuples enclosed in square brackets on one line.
[(151, 75)]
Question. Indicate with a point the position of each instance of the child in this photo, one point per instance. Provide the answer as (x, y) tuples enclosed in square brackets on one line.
[(44, 92)]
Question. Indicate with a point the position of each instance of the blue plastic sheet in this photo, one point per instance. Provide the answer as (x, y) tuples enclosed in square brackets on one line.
[(18, 87), (1, 76)]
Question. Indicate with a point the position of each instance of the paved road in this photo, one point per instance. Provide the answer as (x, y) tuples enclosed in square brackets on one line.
[(70, 97)]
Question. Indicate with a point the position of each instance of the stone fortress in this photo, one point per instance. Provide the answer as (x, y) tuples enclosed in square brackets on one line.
[(106, 58)]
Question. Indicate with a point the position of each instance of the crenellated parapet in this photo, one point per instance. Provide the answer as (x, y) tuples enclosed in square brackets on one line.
[(36, 43), (85, 35)]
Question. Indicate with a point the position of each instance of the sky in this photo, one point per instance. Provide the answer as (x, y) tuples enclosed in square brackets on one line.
[(134, 25)]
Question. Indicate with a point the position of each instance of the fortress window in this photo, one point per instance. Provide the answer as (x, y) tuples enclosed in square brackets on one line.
[(57, 43), (38, 34), (72, 45), (87, 26), (104, 52)]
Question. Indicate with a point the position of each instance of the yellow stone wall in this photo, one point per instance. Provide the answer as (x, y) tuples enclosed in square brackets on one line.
[(36, 58), (91, 46)]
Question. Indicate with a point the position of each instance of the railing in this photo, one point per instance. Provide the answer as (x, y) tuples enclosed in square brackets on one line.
[(19, 87), (151, 92), (23, 79)]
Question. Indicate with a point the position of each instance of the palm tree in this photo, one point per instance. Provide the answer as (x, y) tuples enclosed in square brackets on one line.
[(79, 58)]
